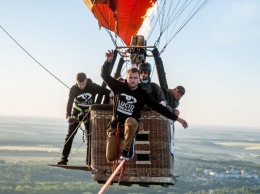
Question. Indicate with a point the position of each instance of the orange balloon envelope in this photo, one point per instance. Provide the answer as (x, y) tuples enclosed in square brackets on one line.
[(124, 17)]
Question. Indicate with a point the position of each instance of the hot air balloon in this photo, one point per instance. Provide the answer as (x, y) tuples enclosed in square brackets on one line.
[(133, 25)]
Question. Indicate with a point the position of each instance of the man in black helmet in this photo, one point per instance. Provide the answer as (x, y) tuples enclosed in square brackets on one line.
[(150, 87)]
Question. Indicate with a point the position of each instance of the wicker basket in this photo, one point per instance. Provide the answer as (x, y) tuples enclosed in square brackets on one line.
[(153, 162)]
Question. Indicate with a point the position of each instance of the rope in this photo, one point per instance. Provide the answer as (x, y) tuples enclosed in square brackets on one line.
[(121, 175), (115, 167), (76, 151), (166, 19), (118, 134), (83, 140), (184, 24), (69, 138), (111, 36), (79, 125), (107, 184), (34, 58)]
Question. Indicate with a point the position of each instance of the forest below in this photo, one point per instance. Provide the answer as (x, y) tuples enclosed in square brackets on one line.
[(39, 178), (208, 159)]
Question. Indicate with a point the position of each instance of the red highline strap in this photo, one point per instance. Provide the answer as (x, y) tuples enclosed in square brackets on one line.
[(111, 177), (118, 134), (115, 163)]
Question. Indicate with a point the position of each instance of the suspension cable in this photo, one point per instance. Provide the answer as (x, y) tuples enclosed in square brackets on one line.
[(203, 4), (112, 38), (170, 17), (34, 58)]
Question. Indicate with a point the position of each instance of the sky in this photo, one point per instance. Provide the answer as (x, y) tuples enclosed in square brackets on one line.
[(215, 57)]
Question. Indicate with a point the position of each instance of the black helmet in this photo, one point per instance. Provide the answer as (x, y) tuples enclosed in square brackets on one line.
[(145, 67)]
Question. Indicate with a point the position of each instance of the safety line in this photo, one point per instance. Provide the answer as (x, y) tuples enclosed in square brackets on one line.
[(111, 177), (34, 58)]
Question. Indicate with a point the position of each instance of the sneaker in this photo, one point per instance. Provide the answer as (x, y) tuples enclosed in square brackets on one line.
[(62, 162), (124, 155), (132, 149)]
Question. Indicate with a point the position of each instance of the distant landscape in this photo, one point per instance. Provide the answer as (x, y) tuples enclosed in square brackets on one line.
[(209, 159)]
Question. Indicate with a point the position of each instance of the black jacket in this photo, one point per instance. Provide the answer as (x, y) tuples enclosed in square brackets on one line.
[(154, 90), (129, 103), (86, 97), (171, 101)]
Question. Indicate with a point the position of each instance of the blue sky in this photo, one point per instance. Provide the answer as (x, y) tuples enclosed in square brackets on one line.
[(216, 57)]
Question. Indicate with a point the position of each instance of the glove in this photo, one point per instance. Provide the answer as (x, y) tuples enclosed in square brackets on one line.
[(71, 120), (163, 103)]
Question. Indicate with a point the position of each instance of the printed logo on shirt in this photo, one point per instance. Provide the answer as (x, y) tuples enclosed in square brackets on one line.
[(126, 105), (85, 99), (129, 99)]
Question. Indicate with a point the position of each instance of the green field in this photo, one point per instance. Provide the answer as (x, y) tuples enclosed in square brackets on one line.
[(27, 145)]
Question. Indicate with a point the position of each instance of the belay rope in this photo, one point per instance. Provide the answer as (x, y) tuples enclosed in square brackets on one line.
[(35, 59), (83, 139)]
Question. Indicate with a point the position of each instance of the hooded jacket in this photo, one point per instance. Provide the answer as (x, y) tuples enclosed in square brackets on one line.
[(86, 97), (154, 90), (171, 101)]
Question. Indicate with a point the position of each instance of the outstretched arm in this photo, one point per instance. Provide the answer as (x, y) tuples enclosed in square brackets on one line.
[(183, 122), (110, 81), (163, 110)]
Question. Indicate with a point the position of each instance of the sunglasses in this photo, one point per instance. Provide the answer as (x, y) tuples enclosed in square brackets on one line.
[(144, 72)]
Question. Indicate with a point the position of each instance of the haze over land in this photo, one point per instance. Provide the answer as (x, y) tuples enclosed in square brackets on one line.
[(206, 158)]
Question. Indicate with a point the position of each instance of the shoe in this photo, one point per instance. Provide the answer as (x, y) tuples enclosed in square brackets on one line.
[(124, 155), (62, 162), (128, 155), (132, 149)]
